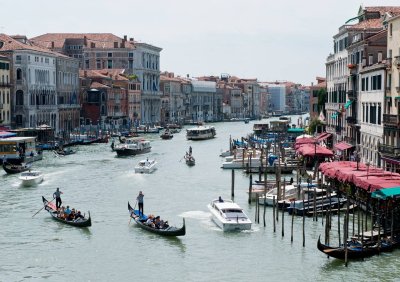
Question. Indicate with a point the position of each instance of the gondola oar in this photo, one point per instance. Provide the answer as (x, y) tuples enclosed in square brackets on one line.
[(131, 215), (42, 208)]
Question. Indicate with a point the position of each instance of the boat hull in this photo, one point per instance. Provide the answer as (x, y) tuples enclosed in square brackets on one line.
[(131, 152), (227, 226), (31, 181), (50, 207), (170, 231)]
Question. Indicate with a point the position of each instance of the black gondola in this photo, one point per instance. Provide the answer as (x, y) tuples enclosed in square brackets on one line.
[(51, 208), (169, 231), (16, 168), (354, 252), (64, 152), (190, 161)]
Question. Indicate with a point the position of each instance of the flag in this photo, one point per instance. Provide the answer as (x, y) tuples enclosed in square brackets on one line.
[(321, 116)]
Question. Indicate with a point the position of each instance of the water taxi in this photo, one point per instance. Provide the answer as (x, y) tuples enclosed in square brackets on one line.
[(200, 133), (228, 215)]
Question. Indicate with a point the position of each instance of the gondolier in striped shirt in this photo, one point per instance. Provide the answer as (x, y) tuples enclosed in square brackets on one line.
[(139, 199), (57, 196)]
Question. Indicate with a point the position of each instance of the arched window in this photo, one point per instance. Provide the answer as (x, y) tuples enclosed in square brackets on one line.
[(19, 74), (19, 101)]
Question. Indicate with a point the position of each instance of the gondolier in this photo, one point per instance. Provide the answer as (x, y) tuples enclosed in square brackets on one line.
[(57, 196), (139, 199)]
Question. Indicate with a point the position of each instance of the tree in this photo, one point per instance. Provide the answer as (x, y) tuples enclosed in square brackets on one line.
[(314, 123)]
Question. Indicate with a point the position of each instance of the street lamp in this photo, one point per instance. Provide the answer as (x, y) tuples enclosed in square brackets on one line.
[(367, 164)]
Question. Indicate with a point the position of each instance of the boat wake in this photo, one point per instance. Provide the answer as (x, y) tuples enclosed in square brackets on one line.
[(202, 215)]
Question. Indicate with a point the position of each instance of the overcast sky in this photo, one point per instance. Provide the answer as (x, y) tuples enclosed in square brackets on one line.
[(264, 39)]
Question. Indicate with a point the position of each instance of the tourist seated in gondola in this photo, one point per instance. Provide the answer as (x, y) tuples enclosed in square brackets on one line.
[(353, 243), (67, 212), (71, 216), (150, 221), (78, 215), (157, 222), (61, 212), (163, 224)]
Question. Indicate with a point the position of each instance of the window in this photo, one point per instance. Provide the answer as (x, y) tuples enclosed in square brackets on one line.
[(98, 64), (109, 64), (18, 59), (19, 74), (109, 55)]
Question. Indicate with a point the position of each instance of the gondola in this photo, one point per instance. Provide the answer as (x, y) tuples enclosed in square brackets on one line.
[(169, 231), (51, 208), (190, 161), (16, 168), (353, 252)]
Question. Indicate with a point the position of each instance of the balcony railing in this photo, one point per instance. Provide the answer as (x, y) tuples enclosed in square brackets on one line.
[(390, 120), (5, 84), (351, 120), (352, 94), (390, 151)]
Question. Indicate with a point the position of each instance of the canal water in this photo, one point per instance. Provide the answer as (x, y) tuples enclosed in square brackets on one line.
[(114, 249)]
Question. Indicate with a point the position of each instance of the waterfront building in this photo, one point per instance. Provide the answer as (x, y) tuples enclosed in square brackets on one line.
[(146, 66), (5, 89), (98, 51), (389, 149), (342, 67), (202, 101), (172, 99), (35, 73), (315, 91), (277, 100)]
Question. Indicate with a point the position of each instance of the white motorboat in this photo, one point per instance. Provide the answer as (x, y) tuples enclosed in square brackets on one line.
[(133, 147), (242, 163), (30, 178), (146, 166), (290, 194), (228, 215), (200, 133)]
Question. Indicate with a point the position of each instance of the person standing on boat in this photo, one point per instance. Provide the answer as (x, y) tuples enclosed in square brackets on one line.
[(139, 199), (57, 196), (190, 150)]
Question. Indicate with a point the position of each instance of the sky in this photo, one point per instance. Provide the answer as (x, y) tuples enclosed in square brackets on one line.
[(269, 40)]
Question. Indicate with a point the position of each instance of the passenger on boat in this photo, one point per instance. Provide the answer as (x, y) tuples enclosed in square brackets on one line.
[(157, 222), (67, 212), (190, 150), (150, 221), (220, 199), (71, 216), (78, 215), (61, 212)]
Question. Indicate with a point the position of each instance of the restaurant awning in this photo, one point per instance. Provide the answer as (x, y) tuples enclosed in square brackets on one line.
[(323, 136), (310, 150), (342, 146)]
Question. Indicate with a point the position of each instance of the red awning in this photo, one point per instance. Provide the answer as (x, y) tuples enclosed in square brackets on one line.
[(342, 146), (310, 150), (323, 136)]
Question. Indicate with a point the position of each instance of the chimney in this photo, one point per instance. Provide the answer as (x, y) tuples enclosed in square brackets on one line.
[(52, 44), (125, 38), (370, 59), (92, 45), (85, 40), (131, 39), (379, 56), (84, 73), (115, 44)]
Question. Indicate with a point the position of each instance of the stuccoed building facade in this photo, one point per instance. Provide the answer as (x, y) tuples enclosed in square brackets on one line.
[(35, 77), (5, 89), (202, 101)]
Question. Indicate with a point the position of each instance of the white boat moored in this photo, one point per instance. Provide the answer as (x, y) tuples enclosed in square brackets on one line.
[(146, 166), (228, 215), (30, 178)]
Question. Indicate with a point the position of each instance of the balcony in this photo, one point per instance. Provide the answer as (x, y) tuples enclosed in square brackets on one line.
[(389, 151), (352, 94), (351, 120), (390, 121), (397, 62), (5, 84), (388, 63)]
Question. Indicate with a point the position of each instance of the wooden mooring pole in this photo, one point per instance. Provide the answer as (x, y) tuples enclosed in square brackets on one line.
[(273, 212), (233, 184), (250, 187)]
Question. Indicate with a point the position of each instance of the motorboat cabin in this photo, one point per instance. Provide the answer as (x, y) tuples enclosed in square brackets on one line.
[(228, 215)]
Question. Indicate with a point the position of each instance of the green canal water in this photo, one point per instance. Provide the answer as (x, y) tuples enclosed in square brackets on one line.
[(114, 249)]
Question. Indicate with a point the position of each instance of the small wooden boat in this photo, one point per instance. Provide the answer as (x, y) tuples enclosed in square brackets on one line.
[(16, 168), (30, 178), (51, 208), (357, 251), (64, 152), (190, 161), (141, 222), (166, 135)]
